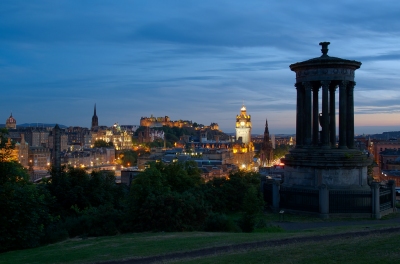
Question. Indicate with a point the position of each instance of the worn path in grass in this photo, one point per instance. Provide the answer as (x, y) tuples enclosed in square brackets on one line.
[(212, 251), (298, 226)]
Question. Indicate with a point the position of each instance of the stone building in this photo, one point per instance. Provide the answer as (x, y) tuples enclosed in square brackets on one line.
[(243, 148), (22, 150), (11, 123), (39, 158), (37, 136), (63, 140), (163, 121), (94, 157), (381, 145), (243, 126), (389, 159)]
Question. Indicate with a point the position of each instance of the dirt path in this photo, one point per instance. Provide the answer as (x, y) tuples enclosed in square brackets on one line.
[(251, 245)]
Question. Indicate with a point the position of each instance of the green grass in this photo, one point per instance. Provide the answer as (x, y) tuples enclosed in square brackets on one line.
[(371, 249), (149, 244)]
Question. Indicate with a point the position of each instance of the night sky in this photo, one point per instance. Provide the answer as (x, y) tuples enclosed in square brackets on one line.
[(190, 60)]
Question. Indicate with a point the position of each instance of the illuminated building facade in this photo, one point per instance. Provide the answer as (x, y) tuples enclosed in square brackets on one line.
[(22, 151), (39, 158), (243, 148), (163, 121), (11, 123), (121, 139), (243, 126)]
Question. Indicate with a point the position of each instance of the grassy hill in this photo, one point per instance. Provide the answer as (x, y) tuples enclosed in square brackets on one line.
[(369, 242)]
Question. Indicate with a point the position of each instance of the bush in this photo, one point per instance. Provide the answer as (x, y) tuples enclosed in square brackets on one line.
[(94, 221), (54, 232), (23, 216), (247, 222), (217, 222)]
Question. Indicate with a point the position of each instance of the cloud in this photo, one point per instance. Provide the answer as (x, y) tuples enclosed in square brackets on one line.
[(196, 60)]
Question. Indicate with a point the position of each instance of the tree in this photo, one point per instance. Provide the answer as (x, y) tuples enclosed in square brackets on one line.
[(227, 195), (251, 207), (6, 146), (89, 204), (280, 151), (24, 207), (167, 198), (102, 144)]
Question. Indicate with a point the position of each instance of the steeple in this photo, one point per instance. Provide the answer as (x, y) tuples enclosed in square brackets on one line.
[(266, 131), (95, 119)]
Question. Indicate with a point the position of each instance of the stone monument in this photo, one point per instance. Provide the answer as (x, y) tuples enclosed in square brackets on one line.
[(317, 160)]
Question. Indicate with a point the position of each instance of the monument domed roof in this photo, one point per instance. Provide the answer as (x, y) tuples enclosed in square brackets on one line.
[(325, 61)]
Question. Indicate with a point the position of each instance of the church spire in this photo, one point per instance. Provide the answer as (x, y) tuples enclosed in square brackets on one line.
[(266, 148), (266, 131), (95, 119)]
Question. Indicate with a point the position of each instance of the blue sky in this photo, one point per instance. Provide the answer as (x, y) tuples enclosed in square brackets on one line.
[(190, 60)]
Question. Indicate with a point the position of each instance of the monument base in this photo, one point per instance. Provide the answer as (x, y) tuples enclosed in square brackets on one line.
[(335, 168)]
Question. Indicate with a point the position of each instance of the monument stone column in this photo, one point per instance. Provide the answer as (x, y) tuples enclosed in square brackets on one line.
[(342, 114), (315, 123), (307, 113), (299, 115), (350, 115), (325, 114), (332, 116)]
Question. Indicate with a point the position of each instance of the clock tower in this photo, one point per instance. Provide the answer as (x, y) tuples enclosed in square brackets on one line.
[(243, 126)]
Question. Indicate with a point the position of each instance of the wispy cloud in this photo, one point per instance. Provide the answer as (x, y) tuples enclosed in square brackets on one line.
[(197, 60)]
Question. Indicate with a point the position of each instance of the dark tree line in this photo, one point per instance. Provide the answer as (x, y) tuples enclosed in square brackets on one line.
[(162, 198)]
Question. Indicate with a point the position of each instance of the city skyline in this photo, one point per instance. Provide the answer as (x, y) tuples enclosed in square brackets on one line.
[(196, 61)]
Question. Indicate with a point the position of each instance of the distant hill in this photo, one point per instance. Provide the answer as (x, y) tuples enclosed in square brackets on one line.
[(40, 125)]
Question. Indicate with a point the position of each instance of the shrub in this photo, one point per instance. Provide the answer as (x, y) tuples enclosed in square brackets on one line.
[(217, 222), (54, 232), (247, 222)]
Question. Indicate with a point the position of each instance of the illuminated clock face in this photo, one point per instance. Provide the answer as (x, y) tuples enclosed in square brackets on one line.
[(242, 123)]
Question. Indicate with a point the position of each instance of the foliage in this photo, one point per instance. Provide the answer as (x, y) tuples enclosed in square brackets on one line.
[(73, 203), (128, 158), (24, 209), (94, 221), (12, 172), (102, 144), (74, 188), (251, 207), (88, 204), (167, 198), (5, 146), (280, 151), (217, 222), (227, 195), (370, 172)]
